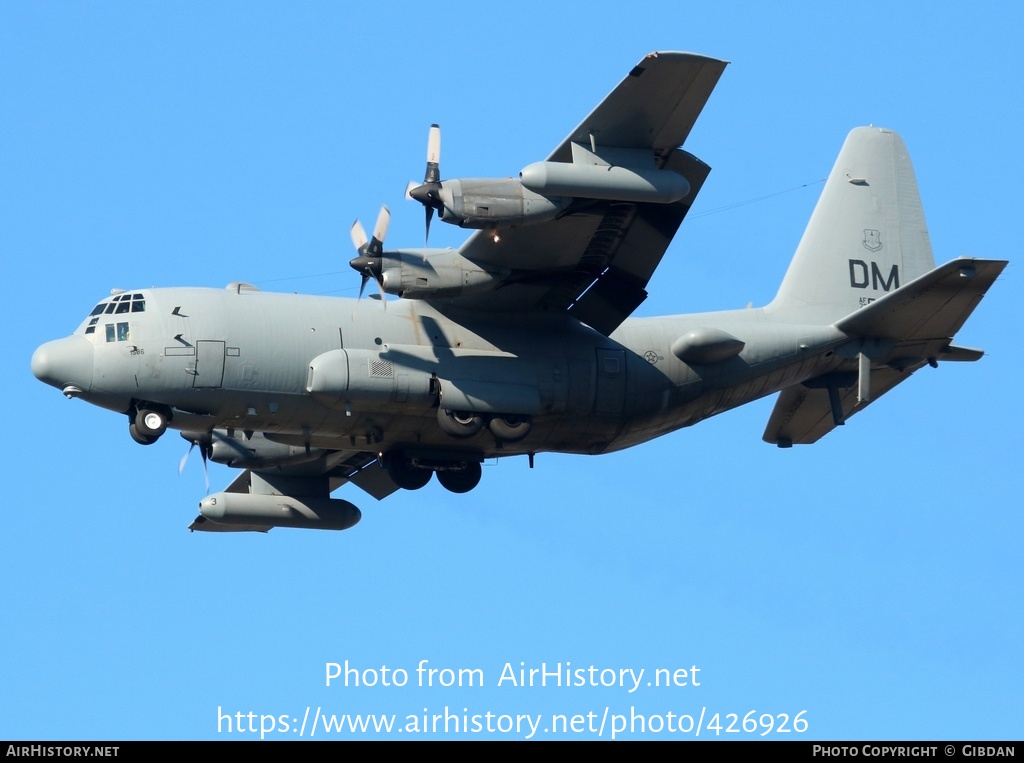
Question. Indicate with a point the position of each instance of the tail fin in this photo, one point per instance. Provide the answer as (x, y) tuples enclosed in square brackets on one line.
[(866, 237)]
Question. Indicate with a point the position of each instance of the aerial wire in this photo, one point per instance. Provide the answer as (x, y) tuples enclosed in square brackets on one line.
[(705, 213)]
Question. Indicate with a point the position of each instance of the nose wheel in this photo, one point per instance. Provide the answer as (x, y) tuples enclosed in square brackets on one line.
[(146, 426), (140, 438)]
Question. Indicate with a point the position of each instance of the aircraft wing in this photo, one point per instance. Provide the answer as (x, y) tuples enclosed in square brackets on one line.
[(358, 467), (596, 260), (655, 106)]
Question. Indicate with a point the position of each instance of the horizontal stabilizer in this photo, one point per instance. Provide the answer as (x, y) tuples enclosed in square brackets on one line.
[(901, 332), (803, 415), (935, 305)]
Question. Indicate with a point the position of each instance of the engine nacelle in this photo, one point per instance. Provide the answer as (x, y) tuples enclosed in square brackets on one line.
[(255, 451), (426, 274), (495, 203), (613, 183), (239, 511)]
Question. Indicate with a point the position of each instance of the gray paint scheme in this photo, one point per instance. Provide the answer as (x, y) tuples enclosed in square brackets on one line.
[(307, 393)]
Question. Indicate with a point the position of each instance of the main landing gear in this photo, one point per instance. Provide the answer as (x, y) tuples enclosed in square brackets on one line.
[(145, 425), (413, 471), (506, 427)]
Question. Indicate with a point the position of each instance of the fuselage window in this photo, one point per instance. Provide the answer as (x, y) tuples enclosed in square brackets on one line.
[(122, 332), (110, 332)]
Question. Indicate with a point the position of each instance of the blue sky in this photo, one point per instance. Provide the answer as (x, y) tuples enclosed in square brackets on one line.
[(873, 580)]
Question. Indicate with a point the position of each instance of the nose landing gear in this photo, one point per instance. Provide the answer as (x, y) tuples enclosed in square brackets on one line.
[(146, 425)]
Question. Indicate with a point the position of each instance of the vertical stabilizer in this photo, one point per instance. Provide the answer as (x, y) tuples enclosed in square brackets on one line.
[(867, 236)]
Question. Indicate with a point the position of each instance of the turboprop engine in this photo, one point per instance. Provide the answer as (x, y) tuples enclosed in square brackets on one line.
[(486, 203), (417, 273), (249, 450), (435, 274), (544, 190)]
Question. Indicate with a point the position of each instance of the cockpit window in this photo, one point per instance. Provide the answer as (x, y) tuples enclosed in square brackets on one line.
[(121, 303)]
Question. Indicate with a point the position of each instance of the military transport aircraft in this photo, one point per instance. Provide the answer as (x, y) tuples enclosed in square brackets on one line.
[(520, 341)]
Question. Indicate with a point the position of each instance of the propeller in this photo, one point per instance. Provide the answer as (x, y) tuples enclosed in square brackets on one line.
[(205, 442), (428, 193), (369, 261)]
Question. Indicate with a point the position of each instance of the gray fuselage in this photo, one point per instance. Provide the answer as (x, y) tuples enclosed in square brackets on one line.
[(242, 359)]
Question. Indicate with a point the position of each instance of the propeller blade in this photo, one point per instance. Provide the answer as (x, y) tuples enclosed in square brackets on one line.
[(369, 262), (206, 471), (184, 459), (383, 296), (428, 192), (380, 230), (433, 173), (358, 235), (205, 443)]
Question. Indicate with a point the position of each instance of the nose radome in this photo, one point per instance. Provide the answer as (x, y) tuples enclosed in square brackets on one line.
[(65, 362)]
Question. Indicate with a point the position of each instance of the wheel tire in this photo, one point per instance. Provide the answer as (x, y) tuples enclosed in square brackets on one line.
[(510, 427), (459, 423), (461, 480), (150, 423), (404, 474), (141, 439)]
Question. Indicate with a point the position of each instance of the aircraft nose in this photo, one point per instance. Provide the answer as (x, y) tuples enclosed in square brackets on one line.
[(65, 364)]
